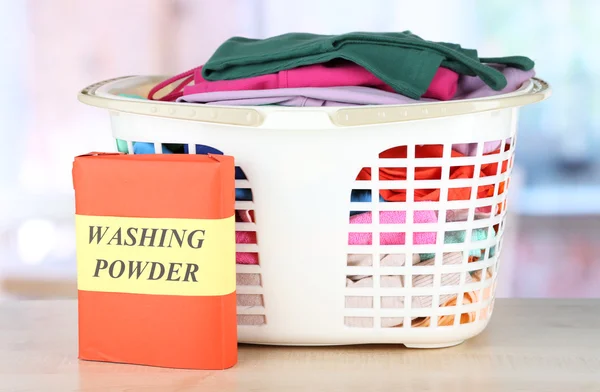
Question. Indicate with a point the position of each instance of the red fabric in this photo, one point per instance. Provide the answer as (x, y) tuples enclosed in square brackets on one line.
[(432, 173)]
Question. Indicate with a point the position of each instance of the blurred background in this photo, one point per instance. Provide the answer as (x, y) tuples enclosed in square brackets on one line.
[(53, 48)]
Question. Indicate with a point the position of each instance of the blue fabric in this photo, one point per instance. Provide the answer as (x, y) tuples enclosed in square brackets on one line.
[(242, 194), (148, 148), (203, 150), (362, 196)]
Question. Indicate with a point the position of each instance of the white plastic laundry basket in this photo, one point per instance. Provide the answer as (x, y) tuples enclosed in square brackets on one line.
[(302, 165)]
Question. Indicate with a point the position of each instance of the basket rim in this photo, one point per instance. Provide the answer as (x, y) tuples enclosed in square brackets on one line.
[(103, 95)]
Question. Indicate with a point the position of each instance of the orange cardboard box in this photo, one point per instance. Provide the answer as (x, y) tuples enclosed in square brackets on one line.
[(156, 259)]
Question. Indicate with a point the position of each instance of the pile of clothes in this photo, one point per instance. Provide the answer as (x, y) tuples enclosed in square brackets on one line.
[(361, 68), (418, 302), (478, 235)]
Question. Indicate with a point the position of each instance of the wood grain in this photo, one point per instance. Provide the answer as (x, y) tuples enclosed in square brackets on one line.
[(534, 344)]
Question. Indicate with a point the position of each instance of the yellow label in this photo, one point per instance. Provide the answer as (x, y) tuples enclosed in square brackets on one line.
[(155, 255)]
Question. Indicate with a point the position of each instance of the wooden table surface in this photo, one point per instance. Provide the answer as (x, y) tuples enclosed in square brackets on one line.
[(530, 345)]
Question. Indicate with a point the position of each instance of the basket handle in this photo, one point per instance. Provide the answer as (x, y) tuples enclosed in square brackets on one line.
[(181, 111), (374, 115)]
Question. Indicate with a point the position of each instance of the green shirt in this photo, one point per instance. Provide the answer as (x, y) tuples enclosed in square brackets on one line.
[(403, 60)]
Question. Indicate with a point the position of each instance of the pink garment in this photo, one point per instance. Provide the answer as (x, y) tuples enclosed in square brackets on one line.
[(245, 237), (392, 217), (442, 87)]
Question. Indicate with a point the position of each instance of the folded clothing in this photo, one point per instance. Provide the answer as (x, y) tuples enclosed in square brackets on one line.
[(333, 74), (468, 87), (302, 97), (404, 61)]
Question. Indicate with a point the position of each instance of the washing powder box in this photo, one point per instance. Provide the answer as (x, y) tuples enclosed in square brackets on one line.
[(156, 259)]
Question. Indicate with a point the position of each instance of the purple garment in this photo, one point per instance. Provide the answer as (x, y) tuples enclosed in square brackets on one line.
[(473, 87), (470, 149), (470, 87), (304, 96)]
